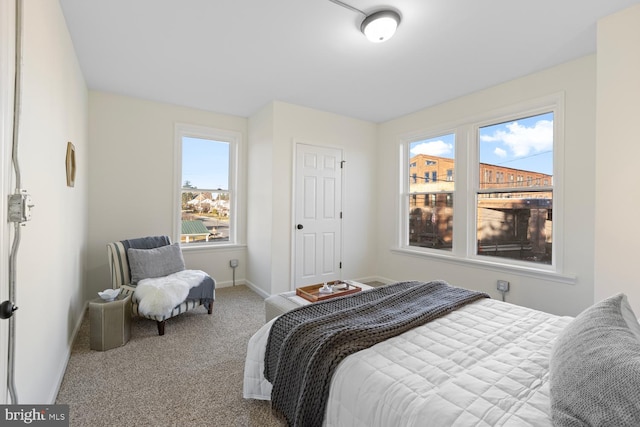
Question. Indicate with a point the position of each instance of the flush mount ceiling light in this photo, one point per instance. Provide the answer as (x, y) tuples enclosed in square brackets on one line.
[(379, 26)]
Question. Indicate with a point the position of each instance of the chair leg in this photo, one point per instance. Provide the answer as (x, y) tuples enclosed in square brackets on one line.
[(160, 327)]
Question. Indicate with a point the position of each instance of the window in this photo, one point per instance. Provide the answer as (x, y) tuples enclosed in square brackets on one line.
[(504, 204), (517, 228), (430, 203), (207, 200)]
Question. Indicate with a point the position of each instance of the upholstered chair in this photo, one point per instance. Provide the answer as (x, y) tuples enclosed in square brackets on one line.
[(152, 270)]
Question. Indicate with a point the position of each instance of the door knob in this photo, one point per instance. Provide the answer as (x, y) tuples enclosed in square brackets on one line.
[(299, 226), (6, 309)]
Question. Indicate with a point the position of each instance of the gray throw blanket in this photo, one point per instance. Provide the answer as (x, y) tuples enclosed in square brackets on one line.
[(205, 292), (306, 344), (151, 242)]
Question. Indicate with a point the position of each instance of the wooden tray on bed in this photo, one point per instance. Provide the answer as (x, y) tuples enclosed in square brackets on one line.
[(313, 294)]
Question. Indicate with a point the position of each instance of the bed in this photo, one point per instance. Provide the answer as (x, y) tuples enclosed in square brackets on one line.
[(486, 363)]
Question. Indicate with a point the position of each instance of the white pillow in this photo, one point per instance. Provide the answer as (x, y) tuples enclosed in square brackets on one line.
[(157, 262)]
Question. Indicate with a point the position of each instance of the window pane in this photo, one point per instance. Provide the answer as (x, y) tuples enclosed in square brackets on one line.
[(205, 200), (205, 217), (205, 163), (431, 220), (522, 147), (431, 186), (432, 164), (516, 224)]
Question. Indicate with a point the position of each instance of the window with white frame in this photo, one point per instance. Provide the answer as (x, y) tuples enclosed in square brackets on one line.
[(508, 198), (516, 222), (429, 199), (206, 202)]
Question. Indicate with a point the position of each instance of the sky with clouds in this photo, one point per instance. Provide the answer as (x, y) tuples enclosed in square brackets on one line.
[(525, 144), (522, 144)]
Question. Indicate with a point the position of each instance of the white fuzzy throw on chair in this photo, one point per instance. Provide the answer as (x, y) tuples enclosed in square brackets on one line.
[(158, 296)]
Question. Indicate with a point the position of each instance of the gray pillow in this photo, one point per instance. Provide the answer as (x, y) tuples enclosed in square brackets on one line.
[(158, 262), (595, 368)]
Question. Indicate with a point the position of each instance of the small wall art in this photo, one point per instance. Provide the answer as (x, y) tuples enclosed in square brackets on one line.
[(71, 164)]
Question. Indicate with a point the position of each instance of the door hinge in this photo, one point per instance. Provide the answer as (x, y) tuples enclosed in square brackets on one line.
[(340, 264), (340, 215)]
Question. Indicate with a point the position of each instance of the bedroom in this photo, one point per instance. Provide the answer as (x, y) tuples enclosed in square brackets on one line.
[(112, 131)]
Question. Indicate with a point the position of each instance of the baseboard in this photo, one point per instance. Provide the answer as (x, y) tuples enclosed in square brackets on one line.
[(228, 284), (65, 362), (375, 279), (254, 288), (386, 280), (257, 290)]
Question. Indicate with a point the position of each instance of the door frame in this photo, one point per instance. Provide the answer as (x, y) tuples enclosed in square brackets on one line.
[(294, 185)]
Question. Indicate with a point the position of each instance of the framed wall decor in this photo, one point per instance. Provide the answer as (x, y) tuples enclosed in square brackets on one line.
[(71, 164)]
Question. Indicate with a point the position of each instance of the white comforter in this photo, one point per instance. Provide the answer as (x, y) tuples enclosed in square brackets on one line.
[(485, 364)]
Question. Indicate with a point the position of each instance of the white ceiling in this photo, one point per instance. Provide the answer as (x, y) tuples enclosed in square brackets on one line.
[(236, 56)]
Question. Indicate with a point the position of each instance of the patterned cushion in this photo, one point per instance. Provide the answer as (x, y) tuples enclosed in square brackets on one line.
[(595, 367), (118, 265)]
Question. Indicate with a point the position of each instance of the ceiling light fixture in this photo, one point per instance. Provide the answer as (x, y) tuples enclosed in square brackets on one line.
[(379, 26)]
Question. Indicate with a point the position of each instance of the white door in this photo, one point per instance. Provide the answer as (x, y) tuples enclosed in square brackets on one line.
[(318, 206)]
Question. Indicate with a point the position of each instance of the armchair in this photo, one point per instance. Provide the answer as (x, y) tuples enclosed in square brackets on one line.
[(151, 264)]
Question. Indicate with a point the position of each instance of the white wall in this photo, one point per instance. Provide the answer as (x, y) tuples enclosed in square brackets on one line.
[(260, 188), (275, 130), (617, 154), (577, 80), (51, 259), (132, 181)]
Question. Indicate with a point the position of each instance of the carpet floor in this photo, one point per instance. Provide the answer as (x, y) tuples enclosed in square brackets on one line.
[(191, 376)]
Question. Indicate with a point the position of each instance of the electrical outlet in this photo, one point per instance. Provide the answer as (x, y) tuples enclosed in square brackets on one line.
[(503, 286), (233, 263), (20, 205)]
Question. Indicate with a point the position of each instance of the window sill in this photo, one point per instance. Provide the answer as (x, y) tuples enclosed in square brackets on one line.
[(536, 273), (213, 247)]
